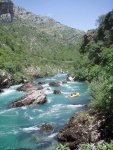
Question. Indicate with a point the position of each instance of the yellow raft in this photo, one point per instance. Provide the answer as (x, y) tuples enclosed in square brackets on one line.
[(74, 95)]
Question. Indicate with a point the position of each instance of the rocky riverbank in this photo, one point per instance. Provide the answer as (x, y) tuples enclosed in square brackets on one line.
[(5, 80), (82, 128)]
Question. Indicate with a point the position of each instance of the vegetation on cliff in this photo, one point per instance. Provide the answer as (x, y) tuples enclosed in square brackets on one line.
[(96, 66), (30, 45)]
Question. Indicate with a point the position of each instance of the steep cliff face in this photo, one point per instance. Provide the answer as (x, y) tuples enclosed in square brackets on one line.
[(6, 9)]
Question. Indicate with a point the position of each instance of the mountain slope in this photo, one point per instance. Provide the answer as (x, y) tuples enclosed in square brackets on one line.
[(48, 25), (32, 44)]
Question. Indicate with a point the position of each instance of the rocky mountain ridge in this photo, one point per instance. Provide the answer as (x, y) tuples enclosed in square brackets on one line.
[(47, 25)]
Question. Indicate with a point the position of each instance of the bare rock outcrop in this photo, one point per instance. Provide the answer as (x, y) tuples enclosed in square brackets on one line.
[(82, 128), (6, 8), (5, 80)]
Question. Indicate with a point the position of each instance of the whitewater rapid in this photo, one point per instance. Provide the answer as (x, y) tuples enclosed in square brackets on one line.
[(21, 127)]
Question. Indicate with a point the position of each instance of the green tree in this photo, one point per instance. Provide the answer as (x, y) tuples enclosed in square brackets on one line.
[(100, 19)]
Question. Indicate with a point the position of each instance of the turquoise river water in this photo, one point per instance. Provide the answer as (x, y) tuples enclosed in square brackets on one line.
[(20, 127)]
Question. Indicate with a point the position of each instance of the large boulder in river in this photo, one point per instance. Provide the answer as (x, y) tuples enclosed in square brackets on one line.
[(31, 98), (57, 92), (54, 84), (29, 87)]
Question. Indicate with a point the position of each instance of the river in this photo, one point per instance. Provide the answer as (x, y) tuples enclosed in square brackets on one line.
[(20, 127)]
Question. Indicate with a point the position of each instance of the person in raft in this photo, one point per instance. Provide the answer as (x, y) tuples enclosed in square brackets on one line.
[(71, 94), (75, 93)]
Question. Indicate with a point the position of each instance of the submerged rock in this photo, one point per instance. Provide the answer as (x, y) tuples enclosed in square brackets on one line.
[(47, 127)]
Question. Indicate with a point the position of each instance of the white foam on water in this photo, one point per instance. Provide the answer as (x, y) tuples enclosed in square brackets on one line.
[(56, 107), (15, 86), (48, 113), (52, 135), (71, 82), (7, 91), (69, 87), (10, 90), (11, 132), (16, 112), (52, 79), (53, 111), (24, 107), (74, 106), (49, 100), (31, 118), (37, 110), (65, 85), (65, 93), (14, 132), (29, 129), (26, 114), (57, 115), (47, 91), (7, 110), (45, 85)]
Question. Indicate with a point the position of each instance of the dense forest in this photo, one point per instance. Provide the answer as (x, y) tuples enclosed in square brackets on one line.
[(96, 64), (23, 51)]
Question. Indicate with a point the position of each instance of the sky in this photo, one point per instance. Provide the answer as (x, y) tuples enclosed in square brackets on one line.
[(79, 14)]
